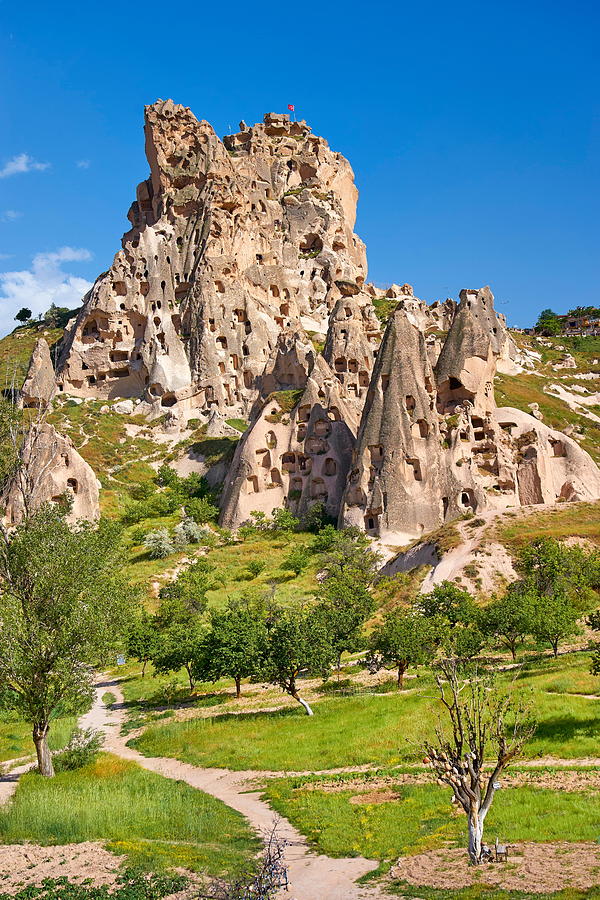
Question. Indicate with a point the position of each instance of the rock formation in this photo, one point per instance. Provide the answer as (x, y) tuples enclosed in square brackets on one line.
[(240, 291), (231, 242), (432, 444), (39, 386), (50, 469)]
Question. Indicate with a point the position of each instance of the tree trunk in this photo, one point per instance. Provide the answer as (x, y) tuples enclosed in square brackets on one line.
[(144, 668), (513, 650), (44, 757), (238, 687), (303, 703), (401, 670), (190, 679), (555, 649), (475, 837)]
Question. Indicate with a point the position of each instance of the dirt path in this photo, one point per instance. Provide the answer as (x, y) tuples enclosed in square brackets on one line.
[(312, 877)]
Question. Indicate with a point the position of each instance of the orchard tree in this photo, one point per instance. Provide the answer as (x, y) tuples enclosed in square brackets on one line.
[(509, 619), (63, 609), (295, 642), (142, 638), (297, 560), (456, 618), (236, 642), (405, 638), (481, 733), (343, 607), (557, 581)]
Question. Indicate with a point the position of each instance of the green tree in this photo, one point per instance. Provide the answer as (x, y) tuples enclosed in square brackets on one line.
[(343, 608), (159, 544), (236, 642), (183, 645), (63, 607), (509, 619), (297, 560), (405, 638), (142, 638), (558, 582), (295, 642), (548, 323), (24, 315), (456, 618)]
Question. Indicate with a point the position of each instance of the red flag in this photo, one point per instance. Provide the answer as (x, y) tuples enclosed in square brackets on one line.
[(291, 107)]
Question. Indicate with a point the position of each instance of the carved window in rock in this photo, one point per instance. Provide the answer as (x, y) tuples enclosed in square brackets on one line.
[(322, 428), (330, 467), (301, 433), (168, 400), (353, 366), (415, 465), (274, 290), (73, 485), (558, 448), (90, 329), (371, 521), (119, 355), (304, 413), (385, 382), (234, 361), (340, 364), (363, 378), (311, 243), (420, 428), (410, 403), (296, 483), (467, 500), (245, 350), (211, 325), (334, 414), (239, 315), (478, 428), (445, 505), (276, 478), (347, 312), (376, 451), (222, 368), (353, 390), (222, 343), (288, 462), (120, 288), (284, 309), (247, 327), (315, 445), (304, 463), (252, 484), (248, 379)]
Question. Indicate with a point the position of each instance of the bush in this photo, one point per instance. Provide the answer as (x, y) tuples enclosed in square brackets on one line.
[(142, 491), (188, 532), (159, 544), (82, 749), (256, 566), (201, 510)]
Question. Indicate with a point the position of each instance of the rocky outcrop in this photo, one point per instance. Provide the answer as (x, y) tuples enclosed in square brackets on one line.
[(297, 451), (432, 444), (51, 469), (231, 242), (39, 386)]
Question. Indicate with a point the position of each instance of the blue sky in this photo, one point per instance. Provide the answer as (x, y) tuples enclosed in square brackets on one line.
[(473, 130)]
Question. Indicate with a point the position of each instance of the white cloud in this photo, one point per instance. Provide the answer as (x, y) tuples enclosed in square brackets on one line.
[(11, 215), (83, 163), (43, 284), (22, 163)]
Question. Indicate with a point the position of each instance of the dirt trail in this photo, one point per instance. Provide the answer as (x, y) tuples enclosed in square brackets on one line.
[(312, 877)]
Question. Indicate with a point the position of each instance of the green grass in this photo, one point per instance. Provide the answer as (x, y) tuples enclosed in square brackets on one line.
[(564, 520), (378, 730), (154, 821), (15, 735), (16, 350), (422, 818), (238, 424)]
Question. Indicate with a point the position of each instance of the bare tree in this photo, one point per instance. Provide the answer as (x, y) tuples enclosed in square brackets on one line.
[(482, 722), (269, 878)]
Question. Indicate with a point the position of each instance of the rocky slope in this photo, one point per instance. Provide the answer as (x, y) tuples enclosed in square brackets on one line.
[(240, 291)]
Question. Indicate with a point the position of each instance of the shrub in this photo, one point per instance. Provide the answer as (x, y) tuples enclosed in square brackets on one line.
[(188, 532), (256, 566), (159, 543), (82, 749), (201, 510)]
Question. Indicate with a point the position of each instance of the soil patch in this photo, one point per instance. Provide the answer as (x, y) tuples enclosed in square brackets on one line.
[(24, 864), (537, 868)]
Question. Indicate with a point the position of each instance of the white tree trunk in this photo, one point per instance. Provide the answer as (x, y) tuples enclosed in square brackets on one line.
[(475, 836), (303, 703), (44, 756)]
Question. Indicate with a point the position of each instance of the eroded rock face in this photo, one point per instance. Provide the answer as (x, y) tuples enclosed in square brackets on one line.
[(432, 444), (39, 386), (231, 242), (50, 468)]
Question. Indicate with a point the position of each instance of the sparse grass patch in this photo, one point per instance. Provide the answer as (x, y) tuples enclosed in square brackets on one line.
[(562, 521)]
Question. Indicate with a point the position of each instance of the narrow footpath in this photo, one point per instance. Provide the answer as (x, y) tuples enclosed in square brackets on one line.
[(311, 876)]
